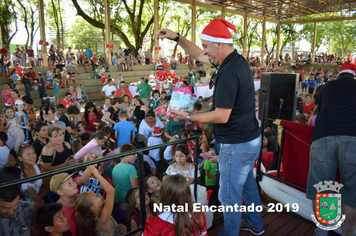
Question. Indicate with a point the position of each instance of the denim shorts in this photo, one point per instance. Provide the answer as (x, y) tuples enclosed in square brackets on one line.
[(326, 156), (304, 86), (3, 69)]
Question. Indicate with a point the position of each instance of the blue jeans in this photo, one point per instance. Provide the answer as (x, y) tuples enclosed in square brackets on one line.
[(27, 90), (236, 180)]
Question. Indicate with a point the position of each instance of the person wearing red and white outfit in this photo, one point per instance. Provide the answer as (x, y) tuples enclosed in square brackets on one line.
[(175, 190), (67, 102)]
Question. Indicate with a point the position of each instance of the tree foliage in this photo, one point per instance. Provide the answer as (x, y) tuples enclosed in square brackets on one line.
[(130, 20), (7, 17), (83, 35), (29, 16), (55, 18)]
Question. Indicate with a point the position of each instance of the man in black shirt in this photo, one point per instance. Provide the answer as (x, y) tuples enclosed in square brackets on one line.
[(334, 143), (27, 80), (41, 130), (234, 121), (127, 52), (71, 112)]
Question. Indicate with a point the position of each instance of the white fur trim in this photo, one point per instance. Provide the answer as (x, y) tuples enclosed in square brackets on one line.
[(348, 71), (167, 216), (215, 40), (237, 36)]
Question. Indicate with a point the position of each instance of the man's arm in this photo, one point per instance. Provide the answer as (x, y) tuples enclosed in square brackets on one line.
[(102, 93), (188, 46), (218, 116)]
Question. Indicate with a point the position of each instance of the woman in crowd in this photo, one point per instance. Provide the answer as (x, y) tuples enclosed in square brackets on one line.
[(147, 125), (5, 94), (91, 115), (57, 153)]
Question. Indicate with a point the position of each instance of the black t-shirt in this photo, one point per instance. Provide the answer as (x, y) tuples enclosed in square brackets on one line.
[(139, 113), (127, 52), (234, 89), (59, 158), (67, 122), (336, 109), (114, 115), (26, 79), (71, 74), (38, 146), (43, 82)]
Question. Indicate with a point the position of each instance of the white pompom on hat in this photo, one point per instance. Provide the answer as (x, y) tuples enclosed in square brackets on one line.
[(217, 31)]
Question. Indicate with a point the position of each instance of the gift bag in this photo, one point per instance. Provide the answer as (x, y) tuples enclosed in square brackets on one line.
[(182, 100)]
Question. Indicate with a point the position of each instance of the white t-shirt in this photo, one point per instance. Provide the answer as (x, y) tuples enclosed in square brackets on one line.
[(147, 131), (109, 90), (152, 141), (4, 156), (36, 185)]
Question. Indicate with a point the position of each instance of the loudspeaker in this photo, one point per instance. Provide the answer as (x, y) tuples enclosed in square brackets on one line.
[(279, 91)]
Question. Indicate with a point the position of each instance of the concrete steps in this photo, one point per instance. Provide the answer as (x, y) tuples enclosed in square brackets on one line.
[(93, 86)]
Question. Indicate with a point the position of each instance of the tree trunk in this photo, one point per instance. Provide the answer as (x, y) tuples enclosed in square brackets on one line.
[(61, 22), (55, 15)]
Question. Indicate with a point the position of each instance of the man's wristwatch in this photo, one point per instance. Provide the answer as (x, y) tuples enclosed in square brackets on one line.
[(177, 38), (188, 119)]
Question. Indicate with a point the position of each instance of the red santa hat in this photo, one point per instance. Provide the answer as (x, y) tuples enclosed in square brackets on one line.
[(217, 31), (157, 131), (348, 68)]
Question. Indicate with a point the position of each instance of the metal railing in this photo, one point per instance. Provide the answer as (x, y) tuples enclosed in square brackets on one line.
[(140, 165)]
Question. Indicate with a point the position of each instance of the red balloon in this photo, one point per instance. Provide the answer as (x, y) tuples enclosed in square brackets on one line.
[(107, 45), (112, 46), (40, 42), (47, 43), (155, 48), (159, 48)]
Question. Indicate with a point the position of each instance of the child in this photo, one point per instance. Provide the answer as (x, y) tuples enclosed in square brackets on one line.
[(85, 180), (124, 130), (64, 186), (22, 118), (41, 84), (155, 140), (51, 220), (81, 127), (155, 100), (134, 209), (175, 190), (13, 125), (301, 119), (4, 150), (267, 150), (163, 95), (124, 174), (80, 141), (56, 91), (94, 214), (183, 164), (210, 174), (200, 99), (173, 127), (78, 96), (162, 110), (153, 186)]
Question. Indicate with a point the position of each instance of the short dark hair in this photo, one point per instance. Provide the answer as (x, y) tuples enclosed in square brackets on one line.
[(45, 215), (126, 147), (8, 194), (27, 100), (59, 106), (117, 100), (73, 110), (164, 92), (3, 137), (68, 93), (198, 106), (85, 136), (38, 126), (155, 91), (49, 108), (150, 113), (109, 80), (16, 91)]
